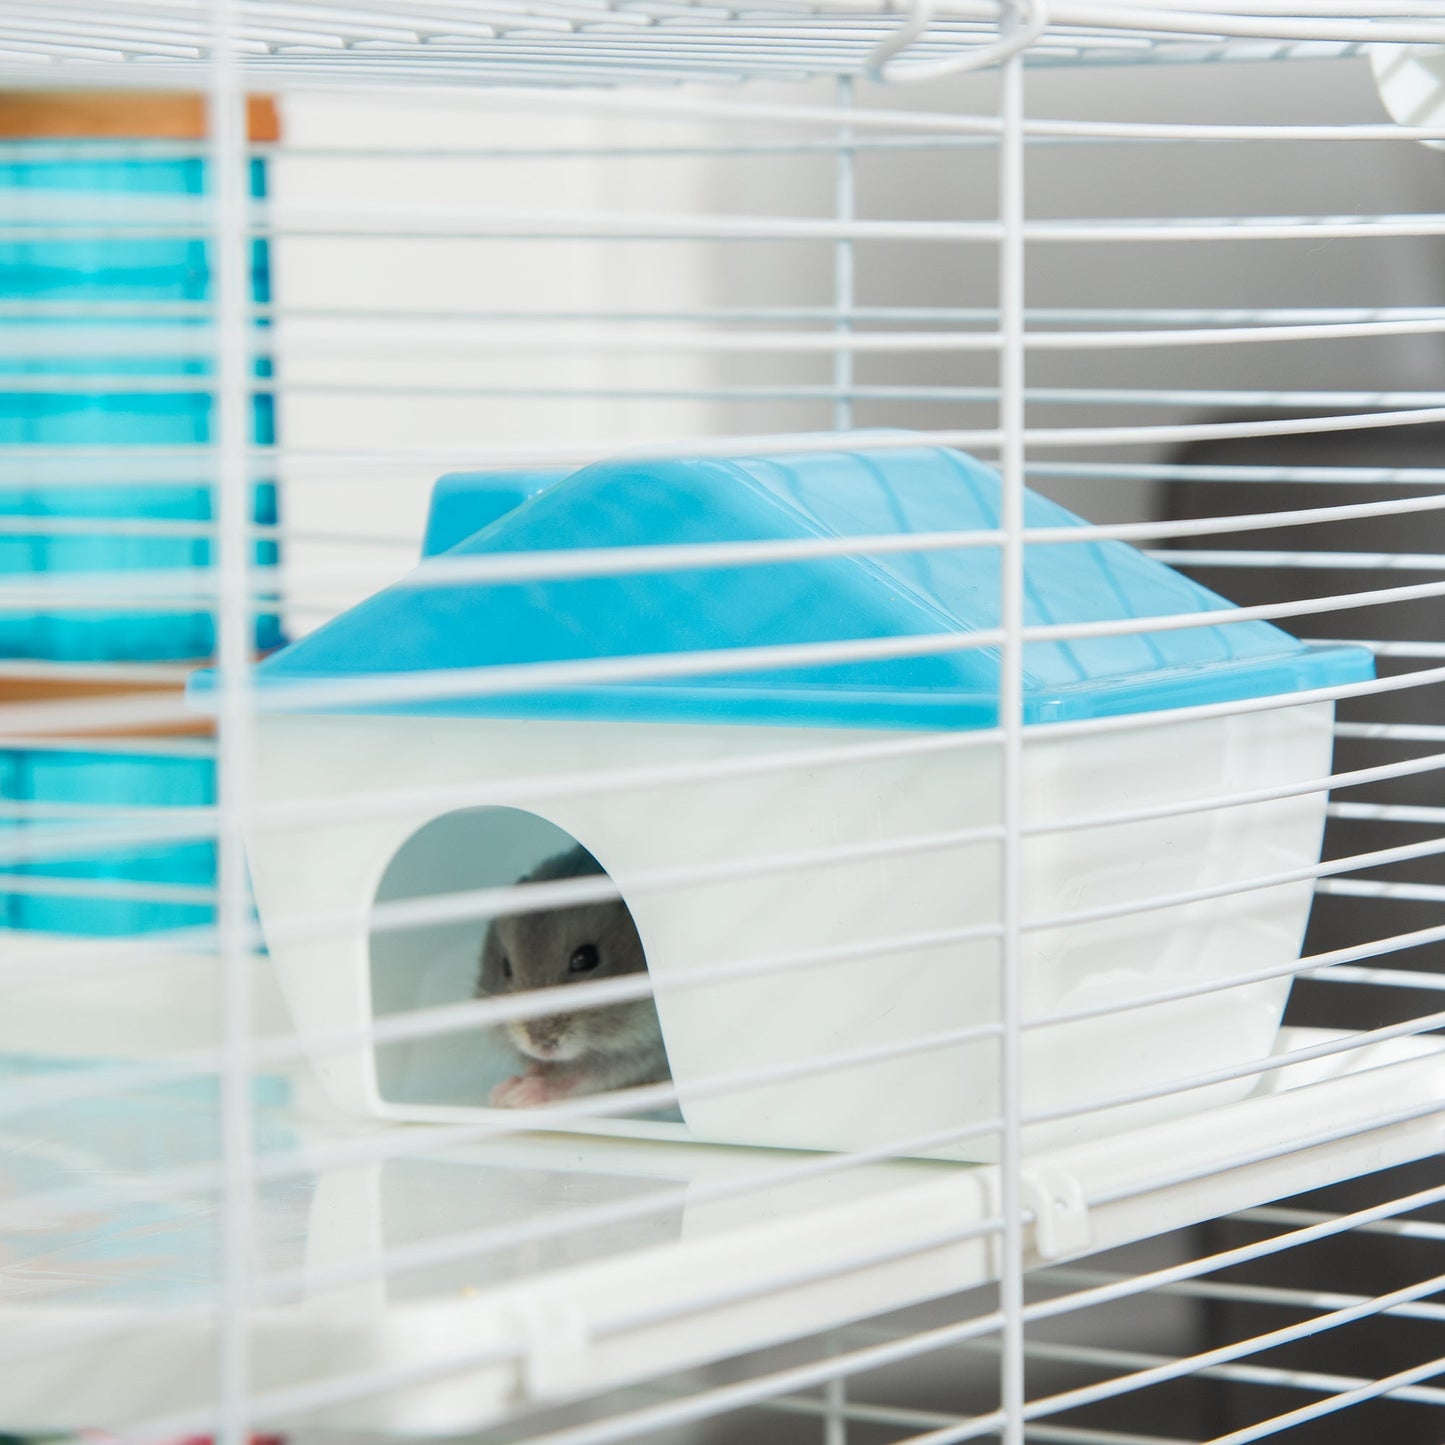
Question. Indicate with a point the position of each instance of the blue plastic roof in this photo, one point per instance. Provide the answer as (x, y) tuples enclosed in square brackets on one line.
[(465, 502), (421, 624)]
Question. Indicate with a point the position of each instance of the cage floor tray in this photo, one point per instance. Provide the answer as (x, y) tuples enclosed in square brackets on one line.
[(533, 1268)]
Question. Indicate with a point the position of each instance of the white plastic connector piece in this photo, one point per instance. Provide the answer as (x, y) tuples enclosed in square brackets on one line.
[(557, 1361), (1411, 82), (1060, 1210)]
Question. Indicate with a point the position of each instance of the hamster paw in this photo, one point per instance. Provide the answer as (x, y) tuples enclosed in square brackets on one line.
[(521, 1091), (528, 1091)]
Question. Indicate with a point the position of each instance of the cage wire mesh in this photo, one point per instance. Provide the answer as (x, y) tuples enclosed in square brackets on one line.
[(1006, 1094)]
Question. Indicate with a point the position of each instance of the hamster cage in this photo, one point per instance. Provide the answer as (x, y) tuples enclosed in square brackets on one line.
[(1042, 914)]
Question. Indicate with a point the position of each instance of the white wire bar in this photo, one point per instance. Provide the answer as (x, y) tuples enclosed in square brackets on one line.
[(175, 824), (226, 116), (1011, 403)]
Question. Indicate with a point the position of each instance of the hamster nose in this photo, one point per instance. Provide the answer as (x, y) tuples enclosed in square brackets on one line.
[(543, 1034)]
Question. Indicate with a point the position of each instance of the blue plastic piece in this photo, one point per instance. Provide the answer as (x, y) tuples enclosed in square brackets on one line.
[(92, 272), (427, 623), (103, 782), (462, 503)]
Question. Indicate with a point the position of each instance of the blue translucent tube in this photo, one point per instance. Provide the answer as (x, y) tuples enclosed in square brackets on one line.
[(85, 270), (108, 783)]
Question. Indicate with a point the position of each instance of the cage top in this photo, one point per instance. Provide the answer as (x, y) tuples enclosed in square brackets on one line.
[(866, 636), (640, 42)]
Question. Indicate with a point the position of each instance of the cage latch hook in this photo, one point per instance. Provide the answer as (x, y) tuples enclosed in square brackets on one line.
[(1061, 1212), (1021, 22)]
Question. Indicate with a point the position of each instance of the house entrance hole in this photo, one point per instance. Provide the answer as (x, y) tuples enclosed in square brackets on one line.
[(437, 961), (429, 964)]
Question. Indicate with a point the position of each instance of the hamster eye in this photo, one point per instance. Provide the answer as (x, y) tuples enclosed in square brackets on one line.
[(506, 966), (584, 960)]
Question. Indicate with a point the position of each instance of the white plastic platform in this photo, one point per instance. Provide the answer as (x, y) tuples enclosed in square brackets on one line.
[(705, 1251)]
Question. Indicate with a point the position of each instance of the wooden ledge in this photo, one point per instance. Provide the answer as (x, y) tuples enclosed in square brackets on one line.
[(62, 707), (122, 115)]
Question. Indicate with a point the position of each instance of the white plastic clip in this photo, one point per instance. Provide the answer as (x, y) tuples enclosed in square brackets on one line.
[(558, 1358), (1061, 1213)]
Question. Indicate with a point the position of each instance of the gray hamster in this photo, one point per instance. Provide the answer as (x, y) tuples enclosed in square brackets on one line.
[(590, 1050)]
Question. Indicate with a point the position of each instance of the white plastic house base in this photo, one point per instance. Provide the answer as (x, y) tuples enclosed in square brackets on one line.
[(795, 1016)]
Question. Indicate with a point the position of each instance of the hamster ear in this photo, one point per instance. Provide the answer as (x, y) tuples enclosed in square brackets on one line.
[(489, 976)]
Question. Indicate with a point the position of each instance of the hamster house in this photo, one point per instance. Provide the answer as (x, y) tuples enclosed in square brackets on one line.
[(825, 828)]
